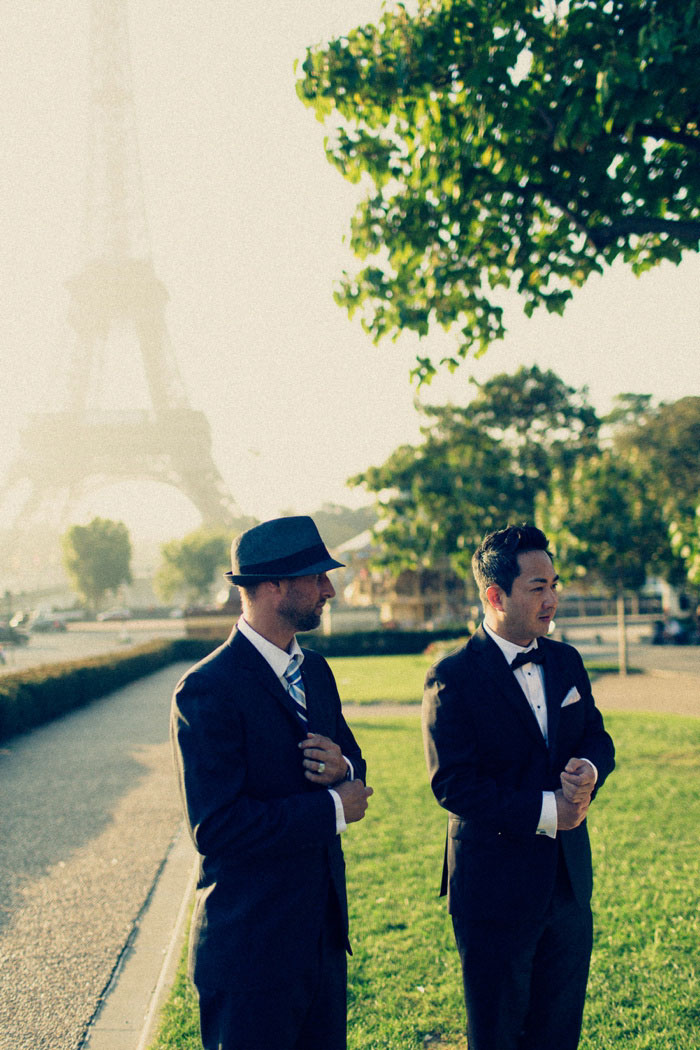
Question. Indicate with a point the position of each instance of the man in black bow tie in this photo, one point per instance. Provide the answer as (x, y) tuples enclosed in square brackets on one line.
[(516, 750)]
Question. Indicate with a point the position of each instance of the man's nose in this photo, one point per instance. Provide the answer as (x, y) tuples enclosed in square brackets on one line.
[(327, 588)]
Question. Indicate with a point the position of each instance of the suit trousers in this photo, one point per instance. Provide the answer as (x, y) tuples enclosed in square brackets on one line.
[(525, 981), (308, 1012)]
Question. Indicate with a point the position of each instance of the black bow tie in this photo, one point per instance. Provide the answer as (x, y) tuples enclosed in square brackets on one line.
[(532, 656)]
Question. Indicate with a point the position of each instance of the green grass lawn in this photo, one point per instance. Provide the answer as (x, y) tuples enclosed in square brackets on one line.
[(397, 679), (404, 987), (380, 679)]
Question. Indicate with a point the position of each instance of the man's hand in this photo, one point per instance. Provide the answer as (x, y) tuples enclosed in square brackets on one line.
[(578, 780), (323, 760), (353, 795), (569, 814)]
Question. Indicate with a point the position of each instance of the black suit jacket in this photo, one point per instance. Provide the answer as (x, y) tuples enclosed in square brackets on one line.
[(270, 854), (489, 764)]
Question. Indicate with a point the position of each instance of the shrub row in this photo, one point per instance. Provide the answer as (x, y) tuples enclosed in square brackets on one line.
[(377, 643), (33, 697), (30, 698), (215, 630)]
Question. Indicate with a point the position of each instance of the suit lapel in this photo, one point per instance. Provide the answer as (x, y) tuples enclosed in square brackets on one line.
[(496, 666), (249, 657), (552, 689), (315, 686)]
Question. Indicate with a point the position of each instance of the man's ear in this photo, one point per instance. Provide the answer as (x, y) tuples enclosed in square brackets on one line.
[(494, 596), (272, 590)]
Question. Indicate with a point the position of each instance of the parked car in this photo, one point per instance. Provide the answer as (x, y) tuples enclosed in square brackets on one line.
[(44, 622), (114, 614), (12, 635)]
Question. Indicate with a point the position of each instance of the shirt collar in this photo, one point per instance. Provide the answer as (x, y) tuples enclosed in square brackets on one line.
[(277, 658), (509, 649)]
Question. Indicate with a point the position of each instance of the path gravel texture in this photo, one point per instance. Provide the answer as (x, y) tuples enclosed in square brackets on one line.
[(672, 688), (88, 810), (665, 692)]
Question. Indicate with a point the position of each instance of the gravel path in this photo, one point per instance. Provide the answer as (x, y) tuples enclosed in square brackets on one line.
[(666, 692), (89, 809), (670, 684)]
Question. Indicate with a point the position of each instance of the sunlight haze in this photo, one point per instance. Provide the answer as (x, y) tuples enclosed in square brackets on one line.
[(246, 220)]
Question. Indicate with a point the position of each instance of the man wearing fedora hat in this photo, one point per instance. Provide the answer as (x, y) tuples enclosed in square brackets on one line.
[(270, 776)]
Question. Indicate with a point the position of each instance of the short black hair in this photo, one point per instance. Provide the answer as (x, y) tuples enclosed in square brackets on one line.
[(495, 560)]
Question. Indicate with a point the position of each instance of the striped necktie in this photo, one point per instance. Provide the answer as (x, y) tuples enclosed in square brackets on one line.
[(295, 685)]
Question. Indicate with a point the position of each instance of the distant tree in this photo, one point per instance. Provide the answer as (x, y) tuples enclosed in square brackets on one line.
[(190, 566), (629, 410), (97, 558), (479, 467), (522, 144), (685, 543), (666, 440), (337, 523), (545, 424), (434, 500), (606, 525)]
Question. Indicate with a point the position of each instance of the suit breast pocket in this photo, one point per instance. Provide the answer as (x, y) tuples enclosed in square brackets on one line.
[(571, 727), (572, 714)]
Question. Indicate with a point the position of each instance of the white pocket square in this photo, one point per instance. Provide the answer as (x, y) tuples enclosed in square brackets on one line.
[(571, 697)]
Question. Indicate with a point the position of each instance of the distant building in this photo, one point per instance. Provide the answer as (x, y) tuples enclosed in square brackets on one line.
[(438, 597), (413, 599)]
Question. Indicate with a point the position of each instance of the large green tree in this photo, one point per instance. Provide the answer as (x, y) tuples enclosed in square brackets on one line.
[(517, 143), (478, 467), (665, 440), (190, 566), (97, 558), (607, 526)]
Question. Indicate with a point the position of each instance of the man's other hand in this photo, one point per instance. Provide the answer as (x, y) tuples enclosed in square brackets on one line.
[(578, 780), (353, 795), (569, 814)]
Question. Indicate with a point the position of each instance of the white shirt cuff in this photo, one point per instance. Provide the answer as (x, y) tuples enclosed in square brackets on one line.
[(340, 824), (548, 815)]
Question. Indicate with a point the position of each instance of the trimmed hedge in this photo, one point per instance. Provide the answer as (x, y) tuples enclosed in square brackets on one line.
[(38, 695), (215, 630), (377, 643)]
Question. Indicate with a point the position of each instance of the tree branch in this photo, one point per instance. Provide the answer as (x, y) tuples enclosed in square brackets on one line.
[(659, 131), (548, 192), (601, 236), (684, 230)]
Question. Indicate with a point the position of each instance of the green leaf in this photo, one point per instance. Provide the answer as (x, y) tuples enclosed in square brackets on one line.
[(433, 117)]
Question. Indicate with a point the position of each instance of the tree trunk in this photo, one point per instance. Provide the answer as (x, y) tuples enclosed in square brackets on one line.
[(621, 632)]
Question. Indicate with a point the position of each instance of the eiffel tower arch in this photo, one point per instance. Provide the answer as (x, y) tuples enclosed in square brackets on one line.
[(115, 300)]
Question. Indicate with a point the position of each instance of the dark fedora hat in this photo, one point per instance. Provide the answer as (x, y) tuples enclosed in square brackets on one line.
[(277, 549)]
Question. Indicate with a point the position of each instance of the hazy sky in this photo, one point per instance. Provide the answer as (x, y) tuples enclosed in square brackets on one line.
[(246, 221)]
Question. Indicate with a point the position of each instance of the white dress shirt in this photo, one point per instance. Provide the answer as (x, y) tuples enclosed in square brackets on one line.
[(530, 678), (279, 659)]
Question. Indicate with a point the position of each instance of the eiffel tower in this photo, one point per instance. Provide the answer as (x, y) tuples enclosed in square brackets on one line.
[(116, 300)]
